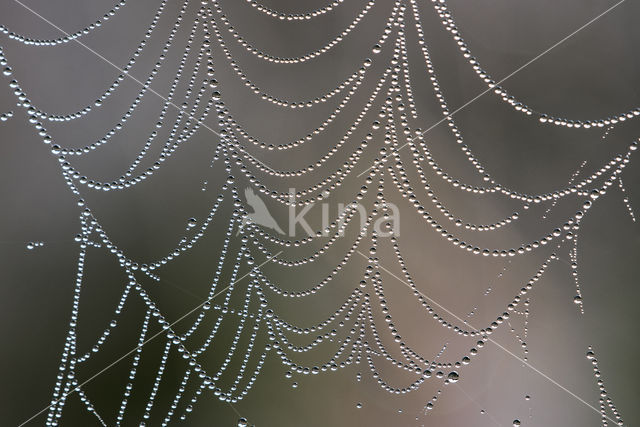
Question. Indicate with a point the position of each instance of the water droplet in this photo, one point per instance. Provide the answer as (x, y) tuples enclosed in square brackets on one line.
[(33, 245)]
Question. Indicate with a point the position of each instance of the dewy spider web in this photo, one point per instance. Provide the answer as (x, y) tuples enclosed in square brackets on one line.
[(398, 124)]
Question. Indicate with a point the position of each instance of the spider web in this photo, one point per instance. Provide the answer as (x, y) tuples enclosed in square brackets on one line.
[(385, 157)]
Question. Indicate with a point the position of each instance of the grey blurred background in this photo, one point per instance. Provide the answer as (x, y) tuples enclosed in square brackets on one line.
[(592, 74)]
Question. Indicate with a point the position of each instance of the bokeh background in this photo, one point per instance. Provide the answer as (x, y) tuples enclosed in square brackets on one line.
[(592, 74)]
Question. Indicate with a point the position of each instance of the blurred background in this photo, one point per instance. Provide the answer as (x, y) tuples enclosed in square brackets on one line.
[(593, 74)]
